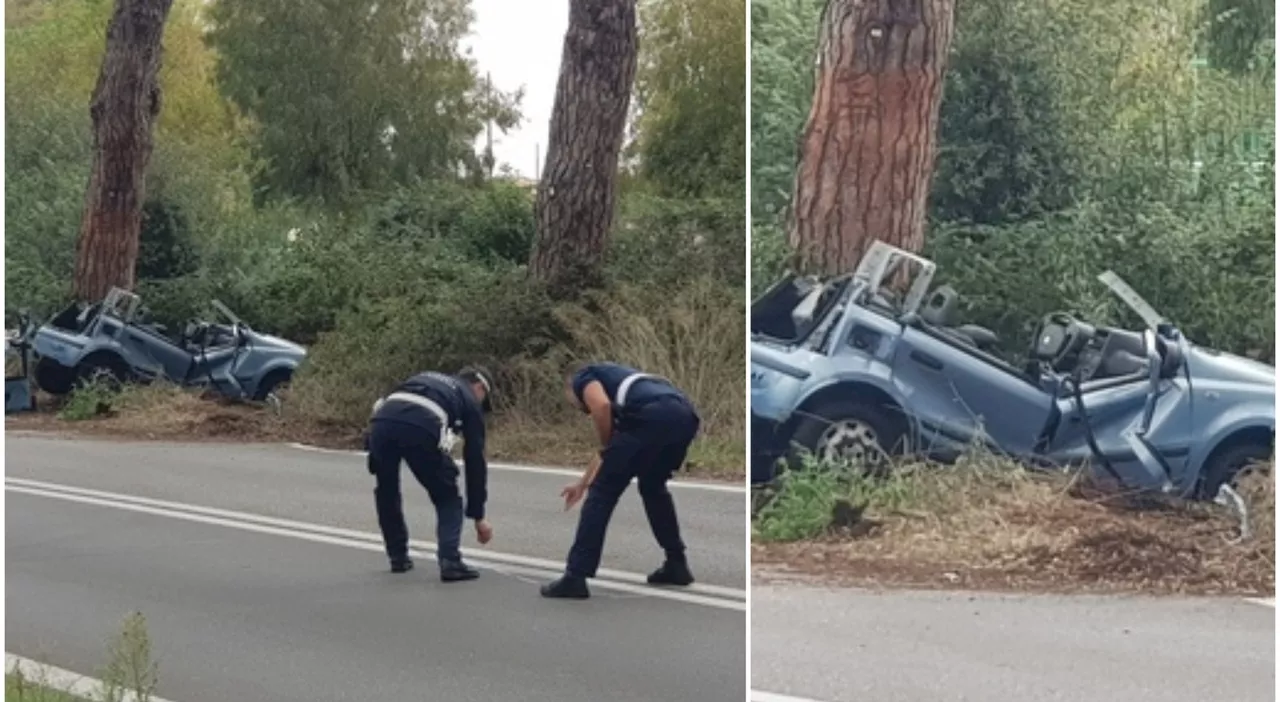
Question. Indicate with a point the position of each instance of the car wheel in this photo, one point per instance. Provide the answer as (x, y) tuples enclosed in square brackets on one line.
[(101, 369), (271, 387), (1225, 466), (54, 378), (860, 434)]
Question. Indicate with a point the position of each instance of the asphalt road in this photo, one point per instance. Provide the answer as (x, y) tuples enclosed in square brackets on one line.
[(262, 578), (852, 646)]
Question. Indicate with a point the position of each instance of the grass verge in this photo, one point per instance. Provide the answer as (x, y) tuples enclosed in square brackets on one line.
[(17, 688), (166, 413), (987, 523), (130, 673)]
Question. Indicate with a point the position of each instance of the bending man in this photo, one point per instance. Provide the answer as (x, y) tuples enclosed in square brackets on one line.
[(645, 426), (419, 423)]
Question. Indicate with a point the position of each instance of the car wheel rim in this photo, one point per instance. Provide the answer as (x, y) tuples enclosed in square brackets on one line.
[(275, 399), (851, 442)]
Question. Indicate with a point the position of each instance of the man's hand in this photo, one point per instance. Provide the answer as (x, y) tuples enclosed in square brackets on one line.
[(484, 531), (572, 494)]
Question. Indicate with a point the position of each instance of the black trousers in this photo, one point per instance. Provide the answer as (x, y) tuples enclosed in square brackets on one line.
[(649, 446), (393, 442)]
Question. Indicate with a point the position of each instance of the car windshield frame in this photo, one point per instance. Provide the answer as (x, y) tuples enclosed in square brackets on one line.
[(1130, 297), (226, 312)]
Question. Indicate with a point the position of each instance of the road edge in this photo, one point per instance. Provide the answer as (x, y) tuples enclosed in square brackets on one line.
[(83, 686), (692, 484)]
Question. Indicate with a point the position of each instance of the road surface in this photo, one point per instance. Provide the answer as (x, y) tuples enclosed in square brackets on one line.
[(261, 576), (825, 645)]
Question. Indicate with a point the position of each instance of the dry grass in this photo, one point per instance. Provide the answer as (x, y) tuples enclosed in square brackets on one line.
[(167, 413), (988, 524)]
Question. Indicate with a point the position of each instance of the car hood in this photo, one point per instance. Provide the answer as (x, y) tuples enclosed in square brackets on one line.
[(274, 341), (1206, 364)]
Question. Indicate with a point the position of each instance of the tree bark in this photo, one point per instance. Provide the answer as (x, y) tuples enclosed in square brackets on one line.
[(867, 151), (575, 201), (124, 110)]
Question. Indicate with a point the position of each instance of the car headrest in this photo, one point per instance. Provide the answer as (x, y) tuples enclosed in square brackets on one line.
[(940, 307)]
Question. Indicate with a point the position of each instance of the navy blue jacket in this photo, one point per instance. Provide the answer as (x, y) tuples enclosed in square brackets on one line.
[(466, 418), (610, 377)]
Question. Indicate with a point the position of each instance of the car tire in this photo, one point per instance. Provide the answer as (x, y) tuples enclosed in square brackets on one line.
[(274, 381), (108, 369), (54, 378), (1225, 464), (854, 430)]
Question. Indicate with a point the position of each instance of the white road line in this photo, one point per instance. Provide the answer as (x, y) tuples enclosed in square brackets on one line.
[(758, 696), (621, 581), (1267, 602), (426, 546), (64, 680), (545, 470)]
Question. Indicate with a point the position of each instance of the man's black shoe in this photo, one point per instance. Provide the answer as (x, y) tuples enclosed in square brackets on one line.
[(568, 587), (455, 571), (401, 565), (672, 573)]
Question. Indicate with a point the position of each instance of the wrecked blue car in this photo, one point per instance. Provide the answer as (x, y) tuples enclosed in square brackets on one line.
[(861, 367), (113, 340)]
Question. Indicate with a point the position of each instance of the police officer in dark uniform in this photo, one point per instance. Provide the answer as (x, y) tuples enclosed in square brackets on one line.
[(418, 423), (645, 426)]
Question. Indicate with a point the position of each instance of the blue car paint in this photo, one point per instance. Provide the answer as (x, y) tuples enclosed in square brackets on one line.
[(237, 370), (955, 396)]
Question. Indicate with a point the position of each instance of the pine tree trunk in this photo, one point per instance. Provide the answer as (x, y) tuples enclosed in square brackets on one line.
[(124, 110), (868, 148), (575, 202)]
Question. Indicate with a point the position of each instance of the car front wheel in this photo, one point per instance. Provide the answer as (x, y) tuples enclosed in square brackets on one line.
[(1226, 466), (853, 434)]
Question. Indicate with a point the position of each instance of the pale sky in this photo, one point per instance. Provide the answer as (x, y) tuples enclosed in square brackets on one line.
[(518, 42)]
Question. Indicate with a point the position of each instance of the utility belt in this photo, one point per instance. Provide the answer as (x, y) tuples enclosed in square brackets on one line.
[(447, 436), (622, 410)]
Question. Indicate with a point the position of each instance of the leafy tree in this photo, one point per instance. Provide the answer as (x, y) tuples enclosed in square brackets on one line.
[(1004, 151), (348, 95), (690, 95), (1237, 32)]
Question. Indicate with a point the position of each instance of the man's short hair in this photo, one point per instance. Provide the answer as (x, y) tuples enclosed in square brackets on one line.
[(477, 374)]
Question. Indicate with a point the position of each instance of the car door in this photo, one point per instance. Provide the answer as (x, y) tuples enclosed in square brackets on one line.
[(1115, 411), (154, 356), (960, 395)]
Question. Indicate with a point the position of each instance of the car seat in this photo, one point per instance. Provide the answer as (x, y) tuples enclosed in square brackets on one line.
[(940, 311)]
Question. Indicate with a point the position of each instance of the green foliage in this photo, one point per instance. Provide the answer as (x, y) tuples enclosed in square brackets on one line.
[(1178, 260), (1075, 136), (784, 36), (52, 59), (1239, 32), (690, 95), (802, 505), (273, 190), (353, 95), (130, 673), (424, 299), (492, 222), (1004, 153), (666, 242), (89, 400)]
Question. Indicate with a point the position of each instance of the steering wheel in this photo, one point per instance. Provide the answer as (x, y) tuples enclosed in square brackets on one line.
[(1060, 335)]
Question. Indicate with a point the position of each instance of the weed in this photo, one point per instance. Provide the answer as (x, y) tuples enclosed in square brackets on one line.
[(90, 399)]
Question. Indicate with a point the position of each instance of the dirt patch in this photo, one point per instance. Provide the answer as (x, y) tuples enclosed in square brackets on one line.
[(169, 414), (1038, 533)]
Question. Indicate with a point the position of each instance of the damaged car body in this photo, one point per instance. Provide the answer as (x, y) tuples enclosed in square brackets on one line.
[(859, 367), (112, 340)]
